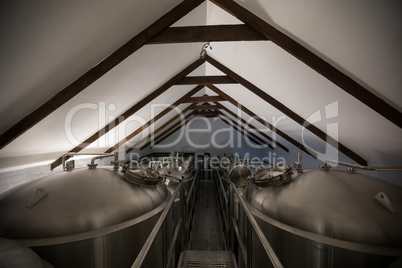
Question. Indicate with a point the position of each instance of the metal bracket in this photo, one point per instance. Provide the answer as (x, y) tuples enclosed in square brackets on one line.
[(203, 53), (351, 169), (70, 165), (325, 167), (40, 192), (299, 163), (384, 200)]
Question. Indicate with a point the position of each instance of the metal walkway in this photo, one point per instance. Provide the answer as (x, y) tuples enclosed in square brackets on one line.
[(195, 258), (207, 244)]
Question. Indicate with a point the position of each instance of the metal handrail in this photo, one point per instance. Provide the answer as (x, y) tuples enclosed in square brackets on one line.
[(144, 251), (268, 249), (192, 186), (181, 223), (263, 240)]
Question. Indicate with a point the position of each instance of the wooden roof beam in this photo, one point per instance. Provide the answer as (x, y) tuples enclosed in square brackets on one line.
[(210, 33), (205, 107), (167, 133), (159, 129), (208, 114), (204, 80), (251, 127), (98, 71), (165, 125), (204, 99), (156, 118), (281, 107), (262, 121), (315, 62), (241, 129), (132, 110)]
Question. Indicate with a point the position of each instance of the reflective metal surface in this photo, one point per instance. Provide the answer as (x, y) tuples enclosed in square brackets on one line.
[(86, 217), (16, 255), (274, 176), (239, 175), (143, 176), (330, 219)]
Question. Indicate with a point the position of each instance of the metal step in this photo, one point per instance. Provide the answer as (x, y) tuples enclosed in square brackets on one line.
[(196, 258)]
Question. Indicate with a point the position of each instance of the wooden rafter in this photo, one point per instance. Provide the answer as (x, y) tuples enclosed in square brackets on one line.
[(98, 71), (259, 119), (248, 124), (170, 130), (315, 62), (206, 113), (189, 108), (206, 107), (210, 33), (204, 99), (241, 129), (281, 107), (204, 80), (133, 109), (156, 118), (159, 129)]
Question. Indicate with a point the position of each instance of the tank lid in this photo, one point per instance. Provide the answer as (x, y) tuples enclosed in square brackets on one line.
[(336, 204), (143, 176), (274, 176)]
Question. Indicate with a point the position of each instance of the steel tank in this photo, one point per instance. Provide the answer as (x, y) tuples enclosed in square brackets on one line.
[(95, 217), (16, 255), (321, 218)]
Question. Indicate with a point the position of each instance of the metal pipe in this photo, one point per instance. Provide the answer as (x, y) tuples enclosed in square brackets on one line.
[(99, 155), (362, 167)]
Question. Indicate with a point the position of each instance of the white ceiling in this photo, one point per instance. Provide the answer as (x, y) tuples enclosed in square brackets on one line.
[(45, 45)]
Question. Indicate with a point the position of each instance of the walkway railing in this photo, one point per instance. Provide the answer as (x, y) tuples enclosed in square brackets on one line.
[(243, 233), (170, 233)]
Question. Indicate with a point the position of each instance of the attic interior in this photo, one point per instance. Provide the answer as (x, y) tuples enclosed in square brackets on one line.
[(173, 86)]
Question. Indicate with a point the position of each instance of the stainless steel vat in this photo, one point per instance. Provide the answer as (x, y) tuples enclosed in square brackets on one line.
[(328, 218), (83, 218), (16, 255)]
